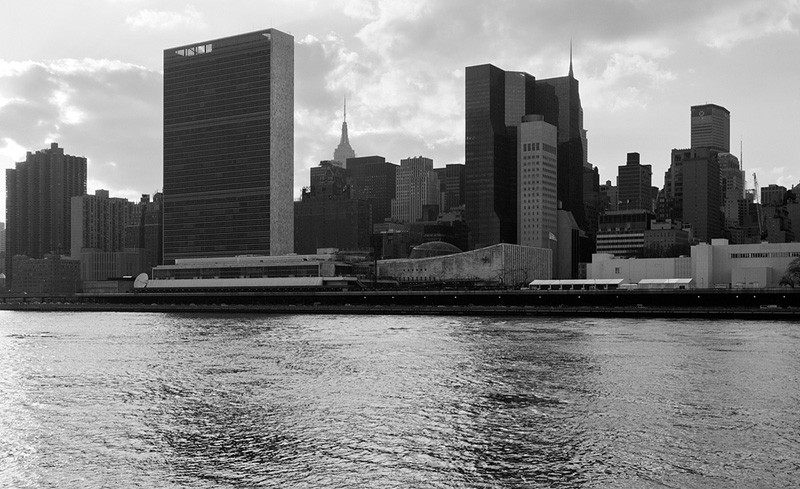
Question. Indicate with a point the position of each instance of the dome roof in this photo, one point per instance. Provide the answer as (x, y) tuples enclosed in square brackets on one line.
[(433, 248)]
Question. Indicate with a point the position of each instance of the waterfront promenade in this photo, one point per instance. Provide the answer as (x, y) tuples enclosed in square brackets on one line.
[(705, 303)]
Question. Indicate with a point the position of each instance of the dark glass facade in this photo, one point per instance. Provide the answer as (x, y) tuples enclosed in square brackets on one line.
[(558, 100), (495, 103), (374, 180), (228, 136)]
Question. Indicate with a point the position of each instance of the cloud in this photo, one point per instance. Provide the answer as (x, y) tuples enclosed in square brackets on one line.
[(750, 21), (106, 110), (164, 20)]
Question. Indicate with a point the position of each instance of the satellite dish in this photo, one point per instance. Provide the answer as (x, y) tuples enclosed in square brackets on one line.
[(141, 281)]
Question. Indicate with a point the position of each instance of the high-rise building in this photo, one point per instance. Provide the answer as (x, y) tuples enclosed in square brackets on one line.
[(144, 232), (417, 186), (496, 101), (711, 127), (38, 193), (101, 229), (451, 186), (558, 99), (537, 173), (229, 147), (99, 222), (609, 194), (344, 150), (701, 202), (374, 179), (593, 202), (773, 194), (328, 216), (634, 184)]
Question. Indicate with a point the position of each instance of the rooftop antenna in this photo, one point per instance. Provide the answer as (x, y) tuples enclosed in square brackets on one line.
[(570, 58)]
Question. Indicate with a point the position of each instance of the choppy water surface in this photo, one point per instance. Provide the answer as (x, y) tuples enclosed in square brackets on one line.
[(161, 400)]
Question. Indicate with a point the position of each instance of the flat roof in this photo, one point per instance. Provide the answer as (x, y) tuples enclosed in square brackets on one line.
[(666, 281), (588, 281)]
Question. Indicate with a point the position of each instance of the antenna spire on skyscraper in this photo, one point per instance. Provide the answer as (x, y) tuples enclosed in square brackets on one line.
[(344, 150), (570, 58)]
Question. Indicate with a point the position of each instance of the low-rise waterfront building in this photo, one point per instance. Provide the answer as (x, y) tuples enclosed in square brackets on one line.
[(501, 264), (715, 265)]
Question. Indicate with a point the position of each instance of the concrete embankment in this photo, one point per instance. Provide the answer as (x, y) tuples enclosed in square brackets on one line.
[(777, 305)]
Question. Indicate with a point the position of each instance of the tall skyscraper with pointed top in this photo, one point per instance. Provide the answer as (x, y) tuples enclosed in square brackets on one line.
[(344, 150), (558, 100), (229, 147), (496, 103)]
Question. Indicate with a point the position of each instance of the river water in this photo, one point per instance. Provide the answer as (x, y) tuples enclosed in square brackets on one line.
[(179, 400)]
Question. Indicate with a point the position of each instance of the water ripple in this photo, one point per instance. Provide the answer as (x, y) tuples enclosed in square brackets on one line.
[(181, 400)]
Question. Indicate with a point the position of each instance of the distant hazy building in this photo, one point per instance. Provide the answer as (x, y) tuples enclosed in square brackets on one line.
[(417, 186), (711, 127), (38, 193), (229, 146), (344, 150), (537, 176), (634, 183)]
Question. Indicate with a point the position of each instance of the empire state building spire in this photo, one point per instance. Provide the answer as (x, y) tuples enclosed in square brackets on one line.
[(344, 150)]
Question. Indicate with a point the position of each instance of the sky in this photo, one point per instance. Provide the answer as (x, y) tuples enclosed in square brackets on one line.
[(88, 74)]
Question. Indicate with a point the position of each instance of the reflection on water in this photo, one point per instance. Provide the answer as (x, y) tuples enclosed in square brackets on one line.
[(163, 400)]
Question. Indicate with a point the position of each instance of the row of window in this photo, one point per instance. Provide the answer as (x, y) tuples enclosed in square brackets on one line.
[(776, 254)]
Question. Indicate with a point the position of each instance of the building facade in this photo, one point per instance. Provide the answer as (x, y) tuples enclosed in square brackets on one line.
[(229, 146), (537, 176), (38, 193), (328, 216), (634, 184), (496, 101), (344, 151), (451, 186), (558, 99), (374, 179), (502, 264), (711, 127), (417, 186), (702, 196)]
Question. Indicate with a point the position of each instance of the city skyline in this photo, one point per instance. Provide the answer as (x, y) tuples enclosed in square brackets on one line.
[(401, 67)]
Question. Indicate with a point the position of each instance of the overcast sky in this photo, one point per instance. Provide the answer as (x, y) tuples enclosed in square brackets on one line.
[(88, 75)]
